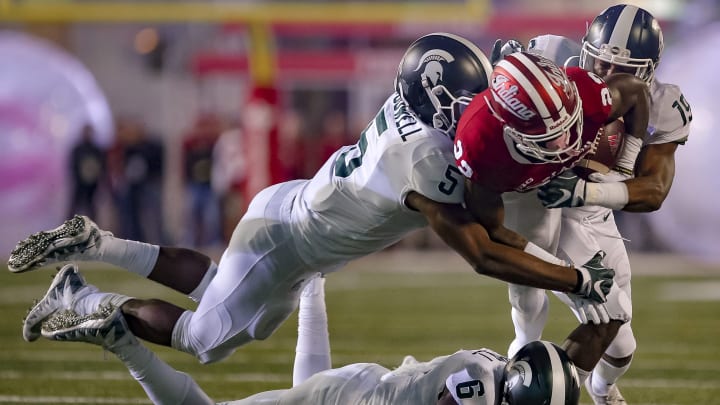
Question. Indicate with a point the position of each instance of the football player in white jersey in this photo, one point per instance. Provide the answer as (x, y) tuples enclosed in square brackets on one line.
[(399, 177), (628, 39), (540, 373)]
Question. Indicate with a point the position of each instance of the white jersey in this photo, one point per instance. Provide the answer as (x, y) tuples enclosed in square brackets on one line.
[(670, 115), (355, 204), (477, 376)]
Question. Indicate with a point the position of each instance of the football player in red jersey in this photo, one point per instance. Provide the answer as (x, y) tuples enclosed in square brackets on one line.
[(533, 122)]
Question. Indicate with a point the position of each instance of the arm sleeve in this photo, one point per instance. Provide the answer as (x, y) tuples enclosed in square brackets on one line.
[(435, 176)]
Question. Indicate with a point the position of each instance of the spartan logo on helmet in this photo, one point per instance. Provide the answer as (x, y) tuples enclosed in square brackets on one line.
[(520, 373), (433, 71)]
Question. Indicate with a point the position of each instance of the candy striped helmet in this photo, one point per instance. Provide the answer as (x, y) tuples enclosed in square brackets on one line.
[(541, 373), (539, 107)]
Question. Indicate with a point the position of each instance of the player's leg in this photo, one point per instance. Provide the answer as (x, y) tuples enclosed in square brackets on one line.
[(616, 360), (107, 328), (80, 239), (525, 214), (585, 231), (257, 286), (312, 352), (611, 367)]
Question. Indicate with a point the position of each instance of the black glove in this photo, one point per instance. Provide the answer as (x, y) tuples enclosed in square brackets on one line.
[(594, 280), (565, 190), (501, 50)]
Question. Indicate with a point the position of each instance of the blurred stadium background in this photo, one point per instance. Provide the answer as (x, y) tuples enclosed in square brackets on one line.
[(277, 85)]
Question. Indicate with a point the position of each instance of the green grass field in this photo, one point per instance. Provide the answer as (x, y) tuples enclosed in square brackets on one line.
[(375, 316)]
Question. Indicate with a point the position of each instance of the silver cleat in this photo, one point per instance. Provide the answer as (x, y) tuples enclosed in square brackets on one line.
[(105, 327), (67, 242), (66, 287)]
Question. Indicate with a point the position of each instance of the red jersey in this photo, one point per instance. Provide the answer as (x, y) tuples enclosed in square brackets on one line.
[(488, 158)]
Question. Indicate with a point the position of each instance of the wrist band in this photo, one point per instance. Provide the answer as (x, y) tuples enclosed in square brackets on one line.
[(610, 195), (542, 254)]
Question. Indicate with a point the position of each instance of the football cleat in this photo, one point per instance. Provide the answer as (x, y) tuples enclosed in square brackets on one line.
[(615, 397), (76, 239), (66, 287), (612, 398), (105, 327)]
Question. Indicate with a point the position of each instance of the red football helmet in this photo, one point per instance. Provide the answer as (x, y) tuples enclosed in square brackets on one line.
[(539, 107)]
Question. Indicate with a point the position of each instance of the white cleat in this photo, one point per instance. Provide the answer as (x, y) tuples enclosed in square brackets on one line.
[(615, 397), (76, 239), (612, 398), (67, 286), (105, 327)]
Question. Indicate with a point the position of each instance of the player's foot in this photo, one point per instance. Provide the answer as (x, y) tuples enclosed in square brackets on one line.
[(612, 398), (66, 287), (615, 397), (105, 327), (78, 238)]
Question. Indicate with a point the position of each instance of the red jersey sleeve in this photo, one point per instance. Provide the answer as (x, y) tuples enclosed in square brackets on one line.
[(594, 93)]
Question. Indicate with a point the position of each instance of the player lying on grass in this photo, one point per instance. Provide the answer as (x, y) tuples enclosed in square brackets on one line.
[(540, 373), (400, 176)]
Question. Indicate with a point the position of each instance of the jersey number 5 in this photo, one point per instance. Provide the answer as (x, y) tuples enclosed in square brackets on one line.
[(453, 176)]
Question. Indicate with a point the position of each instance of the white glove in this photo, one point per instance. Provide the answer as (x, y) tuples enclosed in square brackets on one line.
[(618, 307), (613, 176)]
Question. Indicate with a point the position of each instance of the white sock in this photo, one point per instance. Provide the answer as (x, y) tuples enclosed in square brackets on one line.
[(137, 257), (582, 375), (91, 302), (162, 383), (605, 375), (312, 353)]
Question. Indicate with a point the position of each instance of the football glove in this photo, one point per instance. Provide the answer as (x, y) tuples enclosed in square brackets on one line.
[(564, 190), (617, 308), (501, 50), (595, 279)]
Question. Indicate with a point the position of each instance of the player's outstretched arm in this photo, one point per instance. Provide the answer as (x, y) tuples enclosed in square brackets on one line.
[(457, 227)]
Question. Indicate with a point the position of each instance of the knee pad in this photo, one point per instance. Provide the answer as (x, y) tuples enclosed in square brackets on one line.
[(624, 344), (526, 299)]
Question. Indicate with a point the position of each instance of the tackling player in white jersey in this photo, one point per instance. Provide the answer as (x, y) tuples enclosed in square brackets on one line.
[(399, 177), (626, 39), (541, 373)]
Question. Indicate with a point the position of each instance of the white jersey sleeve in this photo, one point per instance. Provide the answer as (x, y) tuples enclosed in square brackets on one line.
[(562, 50), (670, 115)]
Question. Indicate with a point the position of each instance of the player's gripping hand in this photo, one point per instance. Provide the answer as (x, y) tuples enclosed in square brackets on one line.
[(501, 50), (594, 279), (617, 308), (564, 190)]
